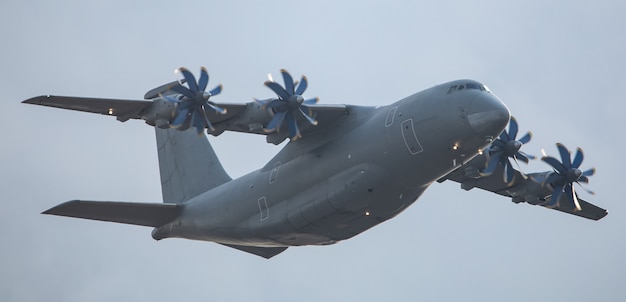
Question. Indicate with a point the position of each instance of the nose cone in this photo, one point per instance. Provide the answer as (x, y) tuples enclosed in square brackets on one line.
[(487, 115)]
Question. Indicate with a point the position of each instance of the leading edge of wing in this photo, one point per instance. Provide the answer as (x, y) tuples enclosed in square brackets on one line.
[(123, 109), (144, 214)]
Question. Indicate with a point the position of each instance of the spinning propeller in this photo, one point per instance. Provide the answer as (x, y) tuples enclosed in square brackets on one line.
[(289, 104), (504, 147), (566, 172), (192, 108)]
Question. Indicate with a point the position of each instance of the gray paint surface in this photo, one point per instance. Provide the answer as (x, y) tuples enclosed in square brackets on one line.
[(558, 66)]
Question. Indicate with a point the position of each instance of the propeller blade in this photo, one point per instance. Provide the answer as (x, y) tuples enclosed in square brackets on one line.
[(278, 105), (492, 163), (274, 124), (556, 195), (556, 164), (571, 197), (204, 79), (294, 131), (589, 172), (182, 90), (312, 101), (288, 81), (197, 121), (504, 136), (191, 80), (526, 138), (519, 155), (217, 90), (566, 159), (529, 156), (206, 118), (302, 86), (513, 128), (578, 158), (181, 116), (217, 109), (279, 90), (508, 173), (308, 118), (586, 190)]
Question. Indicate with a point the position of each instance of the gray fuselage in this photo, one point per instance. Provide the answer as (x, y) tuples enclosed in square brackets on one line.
[(350, 176)]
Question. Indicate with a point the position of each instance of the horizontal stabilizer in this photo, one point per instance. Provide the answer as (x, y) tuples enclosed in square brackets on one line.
[(265, 252), (145, 214)]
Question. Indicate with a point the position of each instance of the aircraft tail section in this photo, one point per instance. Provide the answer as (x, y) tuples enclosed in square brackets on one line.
[(145, 214), (188, 165)]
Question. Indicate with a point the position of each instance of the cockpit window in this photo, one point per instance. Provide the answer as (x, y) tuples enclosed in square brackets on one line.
[(476, 86), (472, 86)]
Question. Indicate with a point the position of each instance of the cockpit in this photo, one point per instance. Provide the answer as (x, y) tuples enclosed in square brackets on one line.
[(468, 85)]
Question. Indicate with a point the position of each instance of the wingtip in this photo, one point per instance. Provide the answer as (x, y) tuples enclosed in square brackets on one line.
[(55, 210), (36, 100)]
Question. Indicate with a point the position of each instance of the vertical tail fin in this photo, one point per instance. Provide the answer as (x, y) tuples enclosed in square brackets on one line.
[(188, 165)]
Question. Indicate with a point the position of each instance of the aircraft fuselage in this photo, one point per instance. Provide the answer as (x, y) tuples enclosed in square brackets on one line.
[(369, 167)]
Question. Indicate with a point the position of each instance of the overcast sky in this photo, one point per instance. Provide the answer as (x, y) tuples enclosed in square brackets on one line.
[(558, 65)]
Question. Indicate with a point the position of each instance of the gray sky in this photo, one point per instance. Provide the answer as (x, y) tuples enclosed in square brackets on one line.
[(558, 65)]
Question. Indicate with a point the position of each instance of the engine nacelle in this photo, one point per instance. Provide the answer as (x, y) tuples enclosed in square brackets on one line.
[(533, 190), (160, 113)]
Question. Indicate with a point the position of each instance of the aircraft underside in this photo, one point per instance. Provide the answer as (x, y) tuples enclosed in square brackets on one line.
[(319, 221)]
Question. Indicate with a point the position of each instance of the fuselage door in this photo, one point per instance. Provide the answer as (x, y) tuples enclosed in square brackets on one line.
[(410, 138)]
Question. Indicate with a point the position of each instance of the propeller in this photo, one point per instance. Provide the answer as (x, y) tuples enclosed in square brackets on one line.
[(288, 106), (504, 147), (193, 105), (566, 172)]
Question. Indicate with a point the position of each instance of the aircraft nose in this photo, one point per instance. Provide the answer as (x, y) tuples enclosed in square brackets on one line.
[(487, 115)]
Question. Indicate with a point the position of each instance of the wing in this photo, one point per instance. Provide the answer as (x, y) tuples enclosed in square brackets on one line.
[(469, 177), (529, 188), (122, 109), (248, 117), (588, 210)]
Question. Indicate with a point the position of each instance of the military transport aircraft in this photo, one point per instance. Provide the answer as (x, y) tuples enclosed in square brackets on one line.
[(346, 168)]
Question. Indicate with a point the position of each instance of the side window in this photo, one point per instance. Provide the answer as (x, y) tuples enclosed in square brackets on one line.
[(390, 116), (452, 89)]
